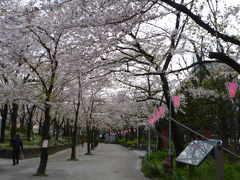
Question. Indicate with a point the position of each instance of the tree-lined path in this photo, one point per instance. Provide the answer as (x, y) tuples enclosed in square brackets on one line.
[(109, 162)]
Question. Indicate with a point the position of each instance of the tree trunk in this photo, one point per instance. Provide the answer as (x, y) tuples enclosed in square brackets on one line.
[(22, 118), (14, 114), (58, 128), (67, 129), (4, 113), (29, 123), (96, 138), (176, 133), (45, 136), (74, 137), (132, 133), (74, 143), (92, 139), (88, 139), (54, 127), (29, 129), (57, 133), (40, 126), (238, 134)]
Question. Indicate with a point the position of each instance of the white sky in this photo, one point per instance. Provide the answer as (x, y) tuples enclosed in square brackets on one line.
[(228, 2)]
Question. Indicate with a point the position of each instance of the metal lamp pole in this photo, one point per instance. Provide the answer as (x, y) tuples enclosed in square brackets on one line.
[(149, 140), (170, 134)]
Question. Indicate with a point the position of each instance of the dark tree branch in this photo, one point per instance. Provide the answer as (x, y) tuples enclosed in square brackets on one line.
[(178, 70), (201, 23), (38, 74), (222, 57), (192, 65)]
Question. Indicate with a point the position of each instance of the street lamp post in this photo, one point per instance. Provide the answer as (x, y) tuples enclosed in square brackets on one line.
[(169, 135), (149, 140), (176, 103)]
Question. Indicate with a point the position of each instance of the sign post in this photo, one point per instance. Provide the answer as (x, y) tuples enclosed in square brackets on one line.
[(219, 162)]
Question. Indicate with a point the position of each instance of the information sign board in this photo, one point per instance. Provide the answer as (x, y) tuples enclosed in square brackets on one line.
[(197, 151)]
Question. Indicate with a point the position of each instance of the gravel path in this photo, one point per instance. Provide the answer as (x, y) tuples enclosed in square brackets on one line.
[(109, 162)]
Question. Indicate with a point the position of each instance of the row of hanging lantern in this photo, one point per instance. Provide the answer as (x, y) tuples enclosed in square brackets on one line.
[(176, 101), (160, 113), (232, 89), (157, 115), (122, 132)]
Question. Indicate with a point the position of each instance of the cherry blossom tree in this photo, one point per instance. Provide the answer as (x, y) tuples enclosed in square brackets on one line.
[(214, 23), (44, 43)]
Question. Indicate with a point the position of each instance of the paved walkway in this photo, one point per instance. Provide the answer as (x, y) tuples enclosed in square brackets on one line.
[(109, 162)]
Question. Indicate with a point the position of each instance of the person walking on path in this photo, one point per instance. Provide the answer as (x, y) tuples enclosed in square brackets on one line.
[(17, 145)]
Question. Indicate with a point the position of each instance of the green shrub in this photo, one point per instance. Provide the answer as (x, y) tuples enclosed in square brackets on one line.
[(7, 128), (231, 170), (131, 143), (5, 145), (22, 130), (143, 141), (102, 140), (152, 167), (122, 141), (158, 156), (29, 143)]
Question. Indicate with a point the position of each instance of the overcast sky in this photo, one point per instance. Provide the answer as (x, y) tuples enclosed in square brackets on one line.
[(229, 2)]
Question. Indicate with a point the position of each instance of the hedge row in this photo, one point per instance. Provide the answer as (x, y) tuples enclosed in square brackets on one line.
[(33, 152)]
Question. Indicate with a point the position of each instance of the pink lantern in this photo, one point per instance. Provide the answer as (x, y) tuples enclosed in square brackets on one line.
[(232, 89), (150, 121), (154, 118), (161, 110), (176, 100), (158, 114)]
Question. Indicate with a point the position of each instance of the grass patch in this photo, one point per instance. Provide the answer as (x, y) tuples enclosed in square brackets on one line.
[(73, 159), (88, 154), (5, 145), (129, 143)]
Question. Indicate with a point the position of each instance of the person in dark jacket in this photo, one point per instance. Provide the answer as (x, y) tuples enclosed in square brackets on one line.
[(17, 145)]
